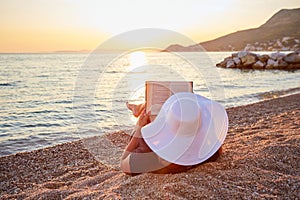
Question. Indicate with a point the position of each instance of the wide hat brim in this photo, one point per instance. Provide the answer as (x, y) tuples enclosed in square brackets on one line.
[(192, 149)]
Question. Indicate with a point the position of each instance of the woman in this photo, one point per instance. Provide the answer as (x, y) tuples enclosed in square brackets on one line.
[(188, 130)]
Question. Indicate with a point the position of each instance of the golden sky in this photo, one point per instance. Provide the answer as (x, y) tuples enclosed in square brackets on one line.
[(57, 25)]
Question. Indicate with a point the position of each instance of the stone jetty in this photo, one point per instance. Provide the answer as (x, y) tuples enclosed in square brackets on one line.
[(250, 60)]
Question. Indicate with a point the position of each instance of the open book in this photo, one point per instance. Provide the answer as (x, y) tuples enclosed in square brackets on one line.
[(157, 92)]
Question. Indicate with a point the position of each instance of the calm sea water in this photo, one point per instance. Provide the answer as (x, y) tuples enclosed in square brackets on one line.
[(48, 99)]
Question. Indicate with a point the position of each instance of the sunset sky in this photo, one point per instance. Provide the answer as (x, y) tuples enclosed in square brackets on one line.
[(57, 25)]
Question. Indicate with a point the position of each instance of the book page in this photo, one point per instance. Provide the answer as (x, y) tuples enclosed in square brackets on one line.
[(157, 92)]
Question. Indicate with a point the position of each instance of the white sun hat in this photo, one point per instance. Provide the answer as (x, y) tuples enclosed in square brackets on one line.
[(188, 130)]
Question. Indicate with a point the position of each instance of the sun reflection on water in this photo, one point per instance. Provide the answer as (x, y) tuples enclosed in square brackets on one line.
[(137, 59)]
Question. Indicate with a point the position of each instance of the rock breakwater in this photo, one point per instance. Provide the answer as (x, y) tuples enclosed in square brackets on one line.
[(249, 60)]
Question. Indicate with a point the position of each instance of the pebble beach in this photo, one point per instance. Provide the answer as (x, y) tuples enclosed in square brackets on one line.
[(260, 160)]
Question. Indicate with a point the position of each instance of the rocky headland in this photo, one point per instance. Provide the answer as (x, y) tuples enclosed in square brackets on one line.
[(250, 60), (280, 33)]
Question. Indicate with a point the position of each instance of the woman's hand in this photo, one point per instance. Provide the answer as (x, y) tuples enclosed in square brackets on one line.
[(136, 109)]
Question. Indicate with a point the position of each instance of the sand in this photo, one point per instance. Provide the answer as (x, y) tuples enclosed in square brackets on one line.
[(261, 159)]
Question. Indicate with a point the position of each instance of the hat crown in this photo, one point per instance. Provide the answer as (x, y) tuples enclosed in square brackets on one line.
[(184, 117), (188, 129)]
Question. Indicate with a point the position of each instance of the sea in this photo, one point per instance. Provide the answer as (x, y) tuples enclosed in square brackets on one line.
[(52, 98)]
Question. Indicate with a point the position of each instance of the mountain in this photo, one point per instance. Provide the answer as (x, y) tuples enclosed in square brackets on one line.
[(280, 32)]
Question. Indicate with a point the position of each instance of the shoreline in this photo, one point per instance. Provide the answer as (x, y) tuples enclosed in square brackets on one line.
[(260, 160), (257, 98)]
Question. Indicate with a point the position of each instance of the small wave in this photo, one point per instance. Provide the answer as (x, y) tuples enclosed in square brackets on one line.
[(43, 111), (6, 125), (6, 84), (4, 135), (5, 152), (39, 125), (238, 86), (256, 97), (63, 102), (277, 93), (239, 100), (43, 76), (113, 72), (9, 84)]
